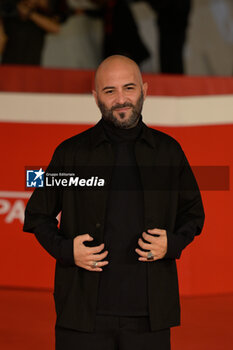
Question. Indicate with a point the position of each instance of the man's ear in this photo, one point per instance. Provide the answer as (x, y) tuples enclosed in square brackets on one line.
[(94, 93), (144, 89)]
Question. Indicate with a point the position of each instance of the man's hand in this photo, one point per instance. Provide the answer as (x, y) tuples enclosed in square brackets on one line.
[(157, 244), (86, 256)]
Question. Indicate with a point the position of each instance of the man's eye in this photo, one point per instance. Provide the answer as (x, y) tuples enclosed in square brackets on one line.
[(130, 88), (109, 91)]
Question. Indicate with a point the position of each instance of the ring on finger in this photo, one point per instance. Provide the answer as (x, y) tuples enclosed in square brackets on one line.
[(150, 256), (95, 264)]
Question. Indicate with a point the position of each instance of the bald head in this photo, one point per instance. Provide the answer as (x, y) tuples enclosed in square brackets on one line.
[(119, 91), (115, 64)]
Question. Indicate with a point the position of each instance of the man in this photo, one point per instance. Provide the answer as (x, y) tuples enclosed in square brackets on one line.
[(116, 281)]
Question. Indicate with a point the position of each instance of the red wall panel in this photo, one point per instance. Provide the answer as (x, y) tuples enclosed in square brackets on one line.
[(205, 266)]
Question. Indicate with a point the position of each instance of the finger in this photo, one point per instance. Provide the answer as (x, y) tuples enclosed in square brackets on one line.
[(157, 231), (85, 237), (144, 245), (89, 267), (141, 253), (147, 237), (99, 265), (98, 257), (96, 249)]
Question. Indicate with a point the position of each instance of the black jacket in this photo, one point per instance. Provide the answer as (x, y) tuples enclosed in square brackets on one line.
[(172, 201)]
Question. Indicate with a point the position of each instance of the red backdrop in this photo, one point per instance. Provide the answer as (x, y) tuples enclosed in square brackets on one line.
[(205, 266)]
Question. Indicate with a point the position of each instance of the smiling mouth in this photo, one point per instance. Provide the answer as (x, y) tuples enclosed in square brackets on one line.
[(122, 109)]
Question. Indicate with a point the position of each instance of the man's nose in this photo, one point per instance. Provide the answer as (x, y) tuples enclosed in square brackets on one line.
[(120, 97)]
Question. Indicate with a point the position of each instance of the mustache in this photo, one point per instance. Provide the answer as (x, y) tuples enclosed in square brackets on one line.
[(118, 105)]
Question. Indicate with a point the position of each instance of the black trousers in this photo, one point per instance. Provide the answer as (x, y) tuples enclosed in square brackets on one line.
[(114, 333)]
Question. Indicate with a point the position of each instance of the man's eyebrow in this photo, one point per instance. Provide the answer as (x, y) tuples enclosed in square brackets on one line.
[(113, 87), (108, 87), (129, 84)]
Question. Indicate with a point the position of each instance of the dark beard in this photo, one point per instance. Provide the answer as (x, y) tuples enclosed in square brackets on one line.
[(108, 116)]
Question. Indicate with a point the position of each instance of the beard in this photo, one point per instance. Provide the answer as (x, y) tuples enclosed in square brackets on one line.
[(122, 123)]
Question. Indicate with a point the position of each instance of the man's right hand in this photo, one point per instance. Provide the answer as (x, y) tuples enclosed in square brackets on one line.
[(86, 256)]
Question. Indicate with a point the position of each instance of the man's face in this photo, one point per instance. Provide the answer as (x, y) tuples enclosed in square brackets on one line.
[(120, 94), (126, 115)]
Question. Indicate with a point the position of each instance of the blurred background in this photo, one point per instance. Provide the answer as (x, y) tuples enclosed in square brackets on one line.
[(193, 37), (49, 50)]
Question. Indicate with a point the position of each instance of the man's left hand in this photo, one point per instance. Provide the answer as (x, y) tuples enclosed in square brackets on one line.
[(157, 245)]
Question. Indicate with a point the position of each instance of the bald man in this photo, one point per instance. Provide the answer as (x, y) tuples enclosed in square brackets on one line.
[(119, 91), (116, 281)]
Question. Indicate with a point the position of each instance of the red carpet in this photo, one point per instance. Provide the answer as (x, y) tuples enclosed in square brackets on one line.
[(28, 316)]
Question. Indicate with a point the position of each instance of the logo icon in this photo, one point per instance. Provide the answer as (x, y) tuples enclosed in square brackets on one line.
[(35, 178)]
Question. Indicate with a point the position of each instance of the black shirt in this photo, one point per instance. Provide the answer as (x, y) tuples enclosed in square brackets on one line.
[(123, 282)]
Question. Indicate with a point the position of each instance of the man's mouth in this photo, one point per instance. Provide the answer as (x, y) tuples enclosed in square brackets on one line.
[(122, 109)]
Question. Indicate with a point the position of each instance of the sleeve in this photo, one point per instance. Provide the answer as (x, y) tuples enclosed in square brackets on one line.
[(190, 215), (41, 218)]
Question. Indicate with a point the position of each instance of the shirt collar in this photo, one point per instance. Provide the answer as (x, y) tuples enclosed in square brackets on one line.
[(99, 136), (147, 136)]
